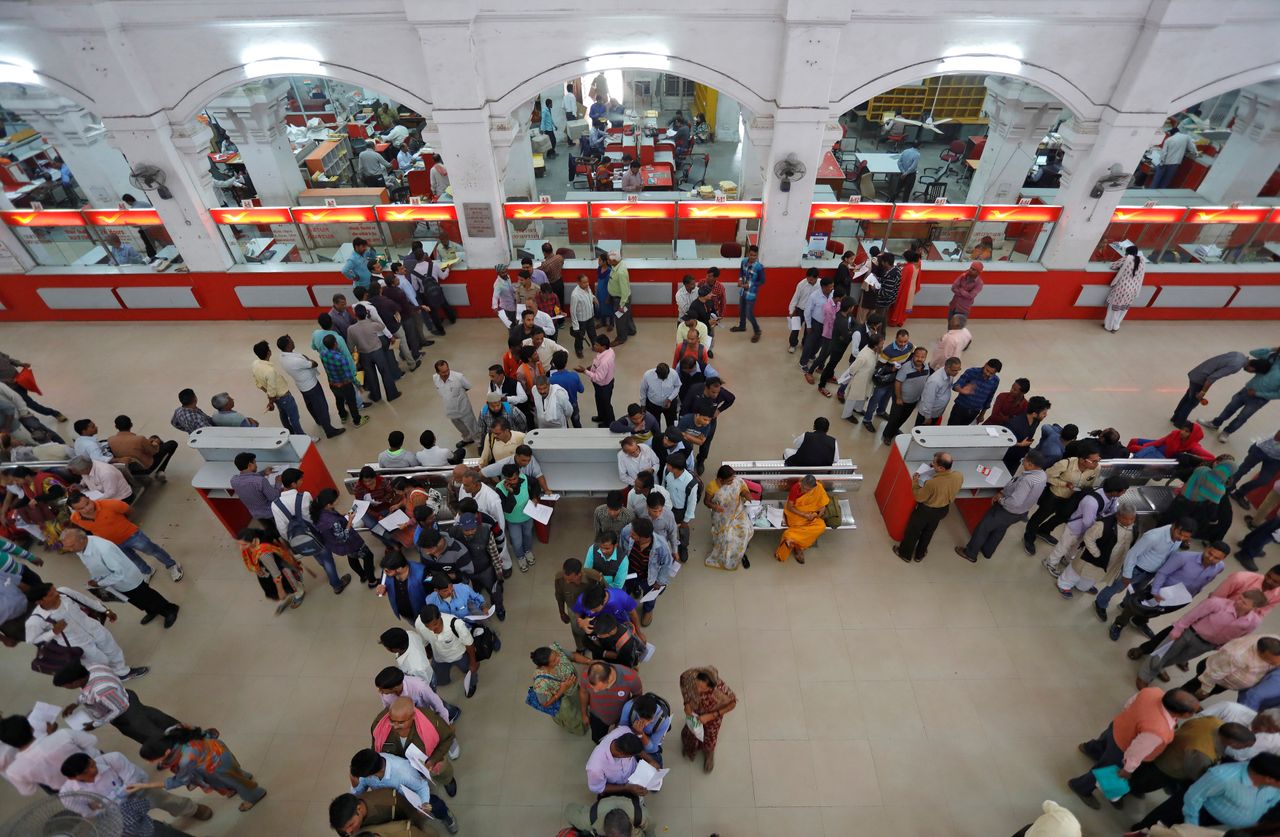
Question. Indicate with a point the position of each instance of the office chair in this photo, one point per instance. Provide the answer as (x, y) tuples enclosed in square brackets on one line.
[(566, 253), (933, 187), (731, 250), (953, 154), (580, 172), (895, 137), (688, 166)]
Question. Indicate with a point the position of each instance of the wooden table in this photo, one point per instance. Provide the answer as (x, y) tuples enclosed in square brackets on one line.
[(830, 173)]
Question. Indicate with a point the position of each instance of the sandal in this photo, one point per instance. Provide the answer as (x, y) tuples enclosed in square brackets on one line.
[(245, 806), (808, 377), (823, 393), (799, 555)]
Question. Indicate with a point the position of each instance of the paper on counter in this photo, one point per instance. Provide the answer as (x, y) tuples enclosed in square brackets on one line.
[(993, 431), (538, 512), (991, 475), (647, 776), (361, 508), (396, 520)]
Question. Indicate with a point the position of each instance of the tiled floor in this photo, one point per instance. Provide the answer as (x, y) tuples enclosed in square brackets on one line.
[(875, 698)]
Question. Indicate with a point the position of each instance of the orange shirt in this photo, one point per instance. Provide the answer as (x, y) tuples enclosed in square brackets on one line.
[(109, 522)]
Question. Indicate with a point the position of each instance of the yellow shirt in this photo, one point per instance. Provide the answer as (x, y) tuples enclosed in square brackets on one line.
[(939, 490), (268, 379)]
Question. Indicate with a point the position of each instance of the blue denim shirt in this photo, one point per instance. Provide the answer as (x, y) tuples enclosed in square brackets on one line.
[(753, 275)]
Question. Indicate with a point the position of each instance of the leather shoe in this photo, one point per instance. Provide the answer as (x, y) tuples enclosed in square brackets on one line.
[(960, 551), (148, 619), (171, 617), (897, 552)]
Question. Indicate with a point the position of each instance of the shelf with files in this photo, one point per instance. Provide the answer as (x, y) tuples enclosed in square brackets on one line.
[(958, 98)]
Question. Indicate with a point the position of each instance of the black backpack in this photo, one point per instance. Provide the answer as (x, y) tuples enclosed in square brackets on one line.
[(300, 534)]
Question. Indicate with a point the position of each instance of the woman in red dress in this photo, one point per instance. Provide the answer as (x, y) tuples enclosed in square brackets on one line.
[(902, 306)]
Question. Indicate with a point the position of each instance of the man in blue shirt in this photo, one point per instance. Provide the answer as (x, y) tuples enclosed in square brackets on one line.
[(455, 599), (975, 390), (371, 770), (1143, 560), (907, 162), (548, 126), (750, 278), (569, 380), (356, 268), (123, 253), (1234, 795)]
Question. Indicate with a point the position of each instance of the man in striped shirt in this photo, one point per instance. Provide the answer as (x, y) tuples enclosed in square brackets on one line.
[(105, 700)]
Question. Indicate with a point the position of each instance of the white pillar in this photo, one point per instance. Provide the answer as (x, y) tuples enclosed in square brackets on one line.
[(14, 257), (181, 152), (801, 133), (728, 114), (1251, 154), (253, 116), (100, 170), (756, 133), (1019, 116), (476, 149), (1091, 148), (519, 180)]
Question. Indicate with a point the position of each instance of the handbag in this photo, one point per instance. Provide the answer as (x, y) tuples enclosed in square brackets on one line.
[(52, 658), (531, 699)]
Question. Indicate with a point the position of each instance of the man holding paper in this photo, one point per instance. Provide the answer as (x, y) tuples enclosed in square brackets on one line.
[(613, 762), (371, 770), (1177, 582)]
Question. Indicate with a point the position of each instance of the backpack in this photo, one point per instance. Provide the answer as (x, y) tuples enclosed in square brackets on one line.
[(884, 374), (300, 535), (481, 638)]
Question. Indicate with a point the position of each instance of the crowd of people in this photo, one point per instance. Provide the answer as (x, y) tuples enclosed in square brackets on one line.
[(461, 516)]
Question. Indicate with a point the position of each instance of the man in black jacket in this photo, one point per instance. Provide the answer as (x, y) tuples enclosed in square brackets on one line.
[(816, 448)]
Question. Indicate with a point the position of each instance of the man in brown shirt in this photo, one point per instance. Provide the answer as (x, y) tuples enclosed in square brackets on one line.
[(553, 266), (569, 585), (147, 455), (378, 812), (933, 498)]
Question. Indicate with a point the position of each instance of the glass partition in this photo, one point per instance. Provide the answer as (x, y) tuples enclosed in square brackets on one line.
[(1213, 234), (74, 238), (1151, 228), (1009, 233), (938, 231), (260, 234)]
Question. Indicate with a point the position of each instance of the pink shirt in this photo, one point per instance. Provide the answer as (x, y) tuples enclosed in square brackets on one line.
[(1216, 621), (1236, 583), (950, 344), (1144, 743), (601, 369), (420, 692)]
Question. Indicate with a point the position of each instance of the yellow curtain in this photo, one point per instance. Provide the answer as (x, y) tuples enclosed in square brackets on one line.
[(704, 102)]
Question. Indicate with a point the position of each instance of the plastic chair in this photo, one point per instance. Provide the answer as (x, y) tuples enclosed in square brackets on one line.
[(895, 137), (566, 253), (731, 250)]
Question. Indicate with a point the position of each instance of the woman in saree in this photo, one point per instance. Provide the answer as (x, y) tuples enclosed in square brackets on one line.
[(37, 511), (731, 529), (706, 701), (557, 680), (806, 502)]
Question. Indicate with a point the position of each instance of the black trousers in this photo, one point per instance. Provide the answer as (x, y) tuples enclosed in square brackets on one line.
[(897, 417), (318, 408), (990, 531), (903, 187), (149, 601), (36, 406), (141, 722), (378, 364), (1046, 514), (345, 397), (604, 402), (159, 463), (659, 413), (812, 340), (700, 458), (599, 729), (834, 354), (962, 415), (361, 563), (794, 339), (921, 525), (586, 333), (490, 581), (1169, 812)]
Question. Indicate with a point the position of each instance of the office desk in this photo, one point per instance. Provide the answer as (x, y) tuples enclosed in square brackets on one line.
[(655, 177), (880, 164), (1190, 251), (830, 173), (98, 255)]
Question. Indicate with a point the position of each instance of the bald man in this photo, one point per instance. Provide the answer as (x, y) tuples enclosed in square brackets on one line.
[(933, 494), (402, 724)]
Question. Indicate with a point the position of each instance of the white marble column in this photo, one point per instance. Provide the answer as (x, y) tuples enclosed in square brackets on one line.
[(1020, 114), (519, 180), (1092, 147), (180, 151), (476, 149), (756, 133), (803, 133), (1251, 154), (253, 116), (100, 170)]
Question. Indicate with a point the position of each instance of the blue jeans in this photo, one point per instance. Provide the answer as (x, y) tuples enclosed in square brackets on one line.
[(325, 560), (139, 542), (1190, 400), (520, 536), (1153, 452), (1266, 476), (444, 671), (1247, 405), (881, 398), (288, 407), (1163, 175), (747, 312), (1140, 577)]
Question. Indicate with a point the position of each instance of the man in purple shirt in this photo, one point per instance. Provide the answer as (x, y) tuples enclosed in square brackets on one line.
[(614, 760), (1099, 503), (255, 490), (1193, 570), (599, 599), (393, 683)]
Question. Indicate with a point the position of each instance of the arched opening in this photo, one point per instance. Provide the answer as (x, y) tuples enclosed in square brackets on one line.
[(315, 140), (626, 134), (1216, 158), (55, 155), (967, 138)]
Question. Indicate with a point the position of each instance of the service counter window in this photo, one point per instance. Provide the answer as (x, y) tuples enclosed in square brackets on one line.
[(1150, 228), (939, 231), (92, 237), (640, 229), (403, 224), (261, 234), (1010, 233), (1199, 235), (327, 231)]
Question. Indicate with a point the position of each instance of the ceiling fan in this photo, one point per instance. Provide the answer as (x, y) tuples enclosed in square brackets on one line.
[(1202, 127), (929, 123)]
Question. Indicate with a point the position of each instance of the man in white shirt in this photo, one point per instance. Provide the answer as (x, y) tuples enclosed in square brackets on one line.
[(409, 650), (59, 617), (660, 393), (303, 371), (634, 458), (1176, 146), (87, 442), (109, 775), (432, 455), (450, 645), (372, 168), (543, 347), (109, 567), (101, 477), (570, 108), (38, 761), (397, 135), (453, 388), (805, 288), (551, 403), (685, 294)]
